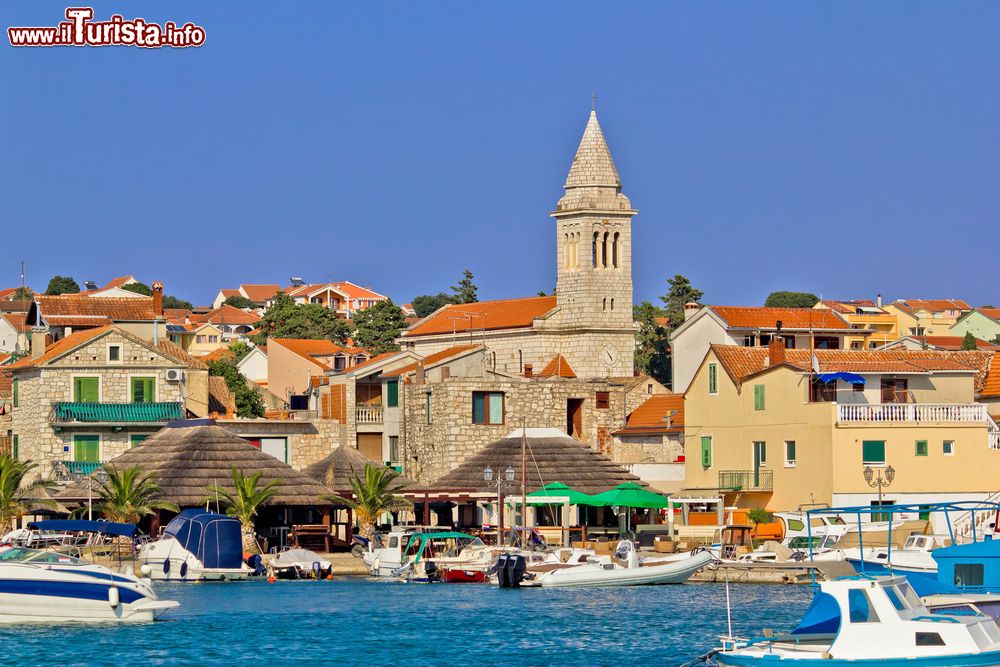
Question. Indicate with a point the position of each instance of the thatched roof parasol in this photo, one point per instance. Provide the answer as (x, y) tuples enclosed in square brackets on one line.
[(552, 456), (187, 457), (345, 462)]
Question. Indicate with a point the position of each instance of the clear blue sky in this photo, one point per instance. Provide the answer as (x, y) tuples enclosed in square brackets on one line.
[(839, 148)]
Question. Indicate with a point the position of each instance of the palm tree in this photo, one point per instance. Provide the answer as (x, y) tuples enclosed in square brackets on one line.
[(373, 497), (128, 495), (16, 497), (244, 501)]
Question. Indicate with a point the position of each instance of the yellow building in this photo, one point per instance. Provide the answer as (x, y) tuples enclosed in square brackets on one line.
[(868, 316), (763, 430), (926, 317)]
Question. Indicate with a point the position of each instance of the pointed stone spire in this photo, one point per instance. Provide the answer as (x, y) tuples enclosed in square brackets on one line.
[(593, 166)]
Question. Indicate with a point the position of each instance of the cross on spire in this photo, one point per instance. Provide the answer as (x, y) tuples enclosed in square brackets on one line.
[(593, 101)]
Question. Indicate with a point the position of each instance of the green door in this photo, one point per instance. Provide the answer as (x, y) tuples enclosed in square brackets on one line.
[(87, 448), (143, 390), (759, 459), (86, 390), (706, 451)]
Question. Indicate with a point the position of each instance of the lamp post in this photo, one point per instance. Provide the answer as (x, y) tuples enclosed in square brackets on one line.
[(874, 479), (501, 481), (102, 476)]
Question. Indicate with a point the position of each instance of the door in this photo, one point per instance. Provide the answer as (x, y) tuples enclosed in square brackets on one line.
[(759, 460), (574, 418), (370, 444), (893, 390)]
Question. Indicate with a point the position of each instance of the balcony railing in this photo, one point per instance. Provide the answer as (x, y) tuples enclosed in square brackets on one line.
[(912, 412), (69, 469), (116, 413), (369, 414), (746, 480), (994, 439)]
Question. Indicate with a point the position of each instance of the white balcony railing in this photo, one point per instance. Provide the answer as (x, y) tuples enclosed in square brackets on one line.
[(994, 439), (369, 414), (912, 412)]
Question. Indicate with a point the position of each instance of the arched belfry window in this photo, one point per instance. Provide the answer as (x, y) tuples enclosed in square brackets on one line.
[(614, 250), (604, 304), (604, 251), (612, 303), (594, 250)]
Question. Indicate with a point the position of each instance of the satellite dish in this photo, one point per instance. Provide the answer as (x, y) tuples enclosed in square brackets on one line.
[(815, 363)]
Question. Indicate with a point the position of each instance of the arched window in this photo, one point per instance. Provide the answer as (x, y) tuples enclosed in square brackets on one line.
[(520, 361), (604, 251), (614, 250), (596, 236), (604, 304), (576, 250), (565, 249), (612, 303)]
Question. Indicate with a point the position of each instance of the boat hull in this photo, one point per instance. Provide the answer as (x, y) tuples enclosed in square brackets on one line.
[(457, 576), (86, 597), (595, 576), (968, 660)]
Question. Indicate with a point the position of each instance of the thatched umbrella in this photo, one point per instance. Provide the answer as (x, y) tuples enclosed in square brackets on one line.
[(345, 462), (187, 457)]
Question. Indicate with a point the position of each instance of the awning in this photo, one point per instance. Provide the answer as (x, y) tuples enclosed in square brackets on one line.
[(81, 526), (557, 493), (630, 495), (850, 378)]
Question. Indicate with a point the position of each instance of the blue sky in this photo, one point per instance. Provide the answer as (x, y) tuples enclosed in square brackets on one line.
[(840, 148)]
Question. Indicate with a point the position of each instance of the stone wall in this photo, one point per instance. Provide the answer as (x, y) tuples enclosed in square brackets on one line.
[(308, 441), (652, 448)]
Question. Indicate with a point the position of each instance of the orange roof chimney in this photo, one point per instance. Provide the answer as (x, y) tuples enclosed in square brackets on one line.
[(158, 298), (776, 351)]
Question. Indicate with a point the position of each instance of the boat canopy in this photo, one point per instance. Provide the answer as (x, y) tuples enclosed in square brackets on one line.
[(850, 378), (822, 616), (83, 526), (214, 539)]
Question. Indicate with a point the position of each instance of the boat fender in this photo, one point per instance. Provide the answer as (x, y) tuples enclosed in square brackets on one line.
[(184, 569), (114, 598), (146, 570), (316, 569), (166, 566)]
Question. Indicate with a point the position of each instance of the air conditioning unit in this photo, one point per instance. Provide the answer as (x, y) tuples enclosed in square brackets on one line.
[(175, 375)]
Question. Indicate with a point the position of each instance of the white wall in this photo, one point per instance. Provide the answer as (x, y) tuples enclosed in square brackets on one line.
[(690, 346)]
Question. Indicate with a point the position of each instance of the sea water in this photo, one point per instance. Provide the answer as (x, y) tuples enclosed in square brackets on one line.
[(357, 621)]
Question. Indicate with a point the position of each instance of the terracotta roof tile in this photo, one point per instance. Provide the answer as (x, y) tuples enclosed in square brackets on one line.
[(227, 315), (953, 342), (358, 292), (14, 306), (558, 367), (931, 305), (16, 320), (652, 416), (743, 317), (219, 397), (171, 350), (260, 293), (217, 354), (488, 315), (849, 307), (176, 315), (992, 313), (374, 360), (62, 309), (991, 385), (430, 360), (119, 281), (310, 348), (62, 346)]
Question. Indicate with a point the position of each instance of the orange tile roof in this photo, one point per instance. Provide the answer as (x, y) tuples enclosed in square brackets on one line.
[(227, 315), (4, 293), (226, 293), (175, 351), (62, 347), (217, 354), (652, 416), (850, 306), (118, 282), (357, 291), (308, 348), (16, 320), (176, 315), (991, 385), (992, 313), (954, 342), (488, 315), (303, 290), (558, 367), (65, 308), (931, 305), (744, 317), (260, 293), (374, 360), (430, 360)]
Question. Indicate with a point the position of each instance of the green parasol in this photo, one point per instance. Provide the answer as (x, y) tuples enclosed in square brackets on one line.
[(629, 494), (558, 491)]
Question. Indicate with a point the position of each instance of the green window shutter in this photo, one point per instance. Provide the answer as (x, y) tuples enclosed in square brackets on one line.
[(143, 390), (392, 393), (86, 390), (14, 445), (16, 392), (496, 407), (478, 408), (921, 448), (713, 379), (758, 397), (87, 448), (137, 439), (706, 451), (873, 451)]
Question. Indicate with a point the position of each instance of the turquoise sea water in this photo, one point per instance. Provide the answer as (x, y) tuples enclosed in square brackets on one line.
[(363, 622)]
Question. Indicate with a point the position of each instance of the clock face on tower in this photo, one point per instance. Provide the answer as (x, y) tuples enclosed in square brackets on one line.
[(609, 357)]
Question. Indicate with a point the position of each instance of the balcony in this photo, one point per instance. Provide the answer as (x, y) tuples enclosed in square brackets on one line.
[(369, 414), (115, 413), (66, 470), (746, 480), (912, 412)]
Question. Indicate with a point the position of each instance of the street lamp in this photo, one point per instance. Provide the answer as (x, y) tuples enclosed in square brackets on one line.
[(102, 476), (874, 479), (506, 480)]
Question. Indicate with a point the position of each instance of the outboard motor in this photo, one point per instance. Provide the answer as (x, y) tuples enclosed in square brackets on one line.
[(431, 570), (256, 563), (501, 569), (511, 570)]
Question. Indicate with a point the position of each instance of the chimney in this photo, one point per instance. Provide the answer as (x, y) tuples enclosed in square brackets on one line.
[(776, 351), (527, 371), (690, 308), (420, 376), (445, 372), (37, 342), (878, 300), (158, 298)]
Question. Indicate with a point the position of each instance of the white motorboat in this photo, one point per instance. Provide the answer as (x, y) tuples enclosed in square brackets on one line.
[(915, 556), (197, 546), (299, 564), (624, 569), (48, 586)]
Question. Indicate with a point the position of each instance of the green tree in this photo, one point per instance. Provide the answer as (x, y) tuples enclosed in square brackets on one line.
[(239, 301), (652, 354), (138, 288), (757, 516), (373, 496), (22, 294), (244, 501), (969, 342), (249, 404), (239, 349), (16, 496), (174, 302), (680, 291), (130, 494), (378, 327), (425, 304), (466, 290), (62, 285), (287, 319), (791, 300)]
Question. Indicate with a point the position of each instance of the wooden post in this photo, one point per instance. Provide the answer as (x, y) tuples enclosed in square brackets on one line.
[(350, 526), (427, 510), (154, 525), (565, 523)]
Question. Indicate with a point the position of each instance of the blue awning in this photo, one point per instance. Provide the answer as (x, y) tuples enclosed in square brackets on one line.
[(82, 526), (851, 378)]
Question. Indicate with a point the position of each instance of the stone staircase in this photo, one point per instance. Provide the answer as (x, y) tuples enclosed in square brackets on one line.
[(981, 519)]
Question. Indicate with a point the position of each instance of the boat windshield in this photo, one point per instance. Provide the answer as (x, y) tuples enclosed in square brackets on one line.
[(23, 555), (442, 546)]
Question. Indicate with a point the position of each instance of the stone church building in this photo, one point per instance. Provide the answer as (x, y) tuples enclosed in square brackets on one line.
[(588, 323)]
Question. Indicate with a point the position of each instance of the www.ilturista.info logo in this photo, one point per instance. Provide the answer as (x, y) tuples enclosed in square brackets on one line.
[(81, 30)]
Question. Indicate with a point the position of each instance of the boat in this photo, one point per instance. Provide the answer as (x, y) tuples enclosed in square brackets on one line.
[(48, 586), (624, 569), (865, 620), (297, 563), (390, 552), (197, 546), (914, 558), (444, 556)]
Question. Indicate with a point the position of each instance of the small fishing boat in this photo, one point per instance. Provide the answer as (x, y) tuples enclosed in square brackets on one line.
[(433, 556), (299, 564), (914, 558), (48, 586), (197, 546), (871, 621), (624, 569)]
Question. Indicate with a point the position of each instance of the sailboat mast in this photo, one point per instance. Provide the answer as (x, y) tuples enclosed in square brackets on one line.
[(524, 473)]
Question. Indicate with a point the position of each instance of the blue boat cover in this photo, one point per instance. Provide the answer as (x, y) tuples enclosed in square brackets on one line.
[(82, 526), (214, 539), (822, 616), (850, 378)]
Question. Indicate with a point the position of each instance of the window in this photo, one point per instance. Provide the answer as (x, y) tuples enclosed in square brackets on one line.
[(86, 390), (213, 339), (199, 339), (143, 390), (14, 388), (394, 448), (894, 598), (921, 448), (87, 448), (759, 453), (928, 639), (706, 451), (969, 574), (14, 445), (924, 512), (822, 392), (789, 453), (758, 397), (603, 400), (713, 379), (873, 452), (893, 390), (137, 439), (339, 362), (948, 447), (881, 516), (392, 394), (826, 343), (857, 387), (860, 607), (429, 404), (114, 352), (487, 407)]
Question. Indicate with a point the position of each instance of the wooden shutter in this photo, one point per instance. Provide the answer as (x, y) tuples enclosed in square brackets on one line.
[(706, 451), (758, 397), (873, 451), (87, 448), (16, 392), (713, 378), (921, 448), (478, 407), (86, 390), (603, 400), (392, 393)]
